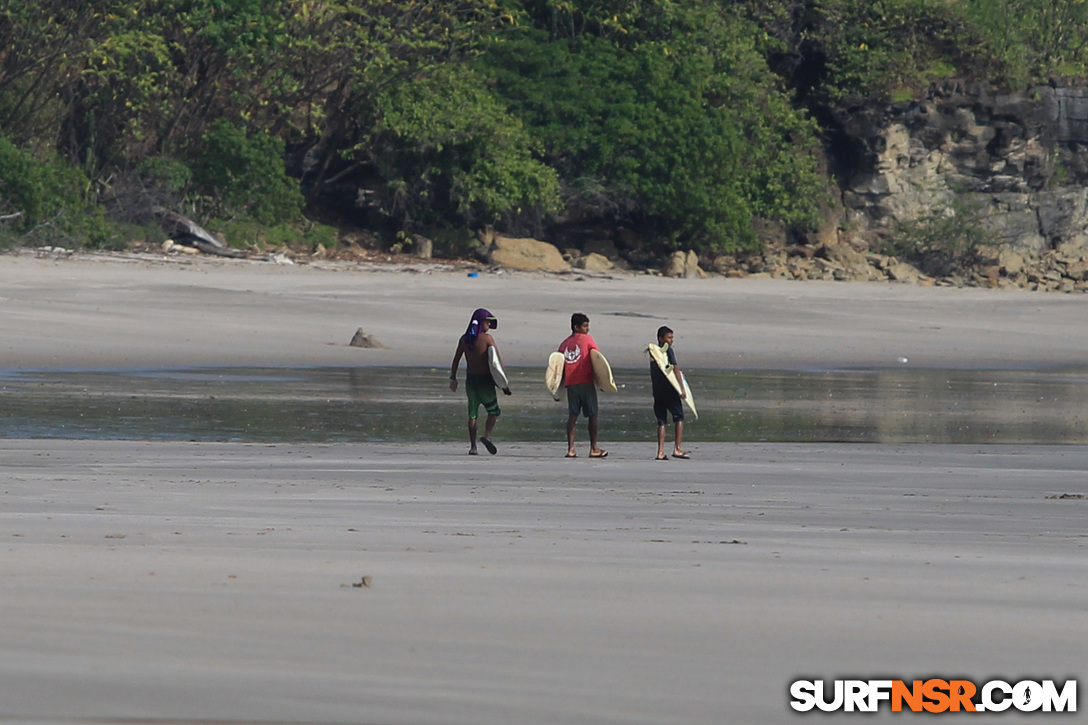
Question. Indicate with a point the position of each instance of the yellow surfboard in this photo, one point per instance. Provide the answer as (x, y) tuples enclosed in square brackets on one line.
[(602, 372), (658, 353)]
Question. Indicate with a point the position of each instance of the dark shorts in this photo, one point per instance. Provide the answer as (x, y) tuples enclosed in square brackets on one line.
[(668, 404), (481, 391), (582, 399)]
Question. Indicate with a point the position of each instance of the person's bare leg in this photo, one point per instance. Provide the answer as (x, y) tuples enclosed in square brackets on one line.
[(572, 425), (489, 426), (679, 449), (594, 449), (472, 436), (661, 442)]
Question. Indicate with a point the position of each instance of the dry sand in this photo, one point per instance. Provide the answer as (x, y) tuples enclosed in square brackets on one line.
[(106, 311), (183, 582)]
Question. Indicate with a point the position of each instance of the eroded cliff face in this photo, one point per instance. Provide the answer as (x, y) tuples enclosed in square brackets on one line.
[(1020, 160), (1010, 167)]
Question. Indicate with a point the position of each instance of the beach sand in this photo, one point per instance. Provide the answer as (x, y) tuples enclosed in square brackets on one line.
[(109, 311), (411, 584)]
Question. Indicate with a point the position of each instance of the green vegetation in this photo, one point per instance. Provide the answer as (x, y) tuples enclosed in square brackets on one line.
[(684, 119), (47, 200), (448, 151), (690, 136), (940, 241), (240, 175)]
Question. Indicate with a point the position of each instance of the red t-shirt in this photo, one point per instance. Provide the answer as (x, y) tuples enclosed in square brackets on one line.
[(578, 370)]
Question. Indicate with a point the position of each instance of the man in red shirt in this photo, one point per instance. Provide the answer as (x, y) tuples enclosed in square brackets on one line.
[(578, 379)]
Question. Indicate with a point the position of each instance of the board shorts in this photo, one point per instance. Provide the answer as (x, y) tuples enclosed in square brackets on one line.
[(582, 399), (481, 391), (668, 404)]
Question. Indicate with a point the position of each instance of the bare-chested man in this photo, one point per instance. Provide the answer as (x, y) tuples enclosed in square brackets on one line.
[(478, 383)]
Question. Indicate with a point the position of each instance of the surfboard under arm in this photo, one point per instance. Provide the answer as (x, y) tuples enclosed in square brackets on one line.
[(659, 353), (497, 373), (553, 376), (602, 372)]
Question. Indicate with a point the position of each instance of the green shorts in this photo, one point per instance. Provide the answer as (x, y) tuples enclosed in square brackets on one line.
[(481, 391), (582, 399)]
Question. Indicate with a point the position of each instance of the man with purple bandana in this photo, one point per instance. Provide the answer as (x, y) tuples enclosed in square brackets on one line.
[(479, 386)]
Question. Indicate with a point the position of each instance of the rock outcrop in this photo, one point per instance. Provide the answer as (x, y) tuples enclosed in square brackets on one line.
[(1017, 159), (594, 262), (1058, 270), (683, 264), (525, 254)]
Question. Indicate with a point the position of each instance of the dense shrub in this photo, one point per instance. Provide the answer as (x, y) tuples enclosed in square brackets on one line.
[(244, 175), (48, 201), (849, 52), (22, 188), (685, 132), (449, 153)]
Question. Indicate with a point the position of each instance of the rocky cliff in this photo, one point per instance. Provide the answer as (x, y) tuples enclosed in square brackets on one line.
[(1019, 161)]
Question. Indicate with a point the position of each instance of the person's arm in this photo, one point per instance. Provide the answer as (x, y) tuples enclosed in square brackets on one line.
[(456, 362)]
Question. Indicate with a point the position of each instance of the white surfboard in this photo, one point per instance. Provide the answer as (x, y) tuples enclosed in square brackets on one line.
[(553, 376), (497, 373), (658, 353)]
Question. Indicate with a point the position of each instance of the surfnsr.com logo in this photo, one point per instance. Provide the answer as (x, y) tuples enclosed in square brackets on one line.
[(933, 696)]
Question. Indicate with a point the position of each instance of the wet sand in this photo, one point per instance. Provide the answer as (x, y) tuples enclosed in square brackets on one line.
[(207, 582)]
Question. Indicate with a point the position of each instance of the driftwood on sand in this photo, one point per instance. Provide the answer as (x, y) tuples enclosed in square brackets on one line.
[(187, 232)]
